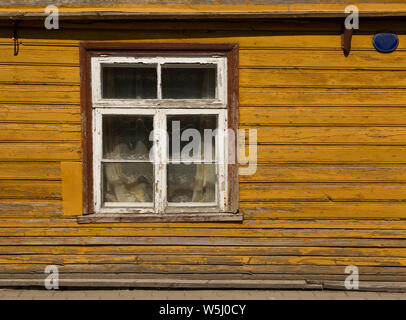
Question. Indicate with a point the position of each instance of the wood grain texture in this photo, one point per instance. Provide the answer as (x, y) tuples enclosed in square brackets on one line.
[(315, 78), (11, 74), (39, 132), (319, 97), (363, 60), (19, 189), (28, 208), (39, 151), (323, 116), (328, 191), (328, 154), (322, 192), (30, 170), (39, 94), (324, 210), (270, 173), (39, 114), (202, 10), (71, 178), (251, 222), (331, 135)]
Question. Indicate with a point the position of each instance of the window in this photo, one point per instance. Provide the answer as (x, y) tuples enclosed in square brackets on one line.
[(156, 145)]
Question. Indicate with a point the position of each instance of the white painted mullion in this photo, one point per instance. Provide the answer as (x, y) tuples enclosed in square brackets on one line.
[(222, 84), (156, 161), (97, 156), (221, 81), (159, 80), (222, 159), (96, 80), (160, 162), (164, 160)]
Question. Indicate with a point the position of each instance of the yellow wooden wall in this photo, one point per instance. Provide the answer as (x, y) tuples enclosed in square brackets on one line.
[(330, 189)]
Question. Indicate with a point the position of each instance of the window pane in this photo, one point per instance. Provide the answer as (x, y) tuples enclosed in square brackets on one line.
[(127, 137), (189, 81), (192, 137), (128, 182), (192, 183), (129, 82)]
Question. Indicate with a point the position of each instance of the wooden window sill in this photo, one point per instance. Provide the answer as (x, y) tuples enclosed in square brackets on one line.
[(180, 217)]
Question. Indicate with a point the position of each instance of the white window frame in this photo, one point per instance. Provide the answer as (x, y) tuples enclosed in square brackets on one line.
[(159, 109), (221, 80)]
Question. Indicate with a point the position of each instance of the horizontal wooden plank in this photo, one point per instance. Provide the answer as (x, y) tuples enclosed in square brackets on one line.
[(322, 116), (184, 10), (39, 151), (203, 260), (199, 276), (39, 132), (325, 154), (66, 56), (12, 74), (26, 189), (322, 78), (203, 276), (322, 192), (202, 241), (192, 269), (203, 232), (30, 170), (202, 250), (330, 135), (321, 59), (39, 114), (39, 94), (323, 210), (202, 281), (31, 209), (321, 97), (170, 283), (248, 223), (325, 173)]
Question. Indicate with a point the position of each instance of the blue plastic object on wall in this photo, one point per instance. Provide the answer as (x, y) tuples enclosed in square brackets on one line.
[(386, 42)]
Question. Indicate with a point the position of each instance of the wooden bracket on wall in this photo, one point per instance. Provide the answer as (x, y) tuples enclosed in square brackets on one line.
[(346, 37)]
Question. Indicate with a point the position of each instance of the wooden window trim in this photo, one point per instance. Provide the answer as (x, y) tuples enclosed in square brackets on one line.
[(86, 50)]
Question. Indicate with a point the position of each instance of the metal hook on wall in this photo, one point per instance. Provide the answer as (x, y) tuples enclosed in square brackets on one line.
[(15, 38), (346, 37)]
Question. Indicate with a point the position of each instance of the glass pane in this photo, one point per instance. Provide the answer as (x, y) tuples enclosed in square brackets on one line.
[(129, 82), (192, 137), (128, 182), (189, 81), (126, 137), (192, 183)]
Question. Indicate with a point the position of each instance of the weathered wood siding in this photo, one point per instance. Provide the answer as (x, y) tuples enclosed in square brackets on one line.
[(330, 189)]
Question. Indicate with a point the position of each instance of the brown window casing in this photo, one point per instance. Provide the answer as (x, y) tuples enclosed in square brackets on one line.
[(87, 49)]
